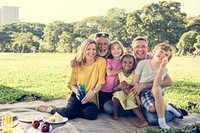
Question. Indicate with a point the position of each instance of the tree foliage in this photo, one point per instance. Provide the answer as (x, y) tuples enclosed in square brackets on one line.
[(53, 31), (197, 46), (158, 22), (194, 24), (186, 43)]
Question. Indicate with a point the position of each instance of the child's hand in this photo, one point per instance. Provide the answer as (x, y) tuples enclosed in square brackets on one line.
[(126, 91), (123, 85), (164, 62)]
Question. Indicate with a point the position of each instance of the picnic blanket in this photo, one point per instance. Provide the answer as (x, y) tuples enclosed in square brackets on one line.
[(103, 123)]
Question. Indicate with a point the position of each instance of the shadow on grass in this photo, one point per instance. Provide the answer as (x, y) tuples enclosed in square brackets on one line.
[(12, 95)]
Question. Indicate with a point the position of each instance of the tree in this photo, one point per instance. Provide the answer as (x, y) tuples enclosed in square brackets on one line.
[(194, 24), (197, 46), (9, 30), (21, 41), (159, 22), (65, 43), (116, 25), (186, 43), (134, 24), (54, 30), (87, 27)]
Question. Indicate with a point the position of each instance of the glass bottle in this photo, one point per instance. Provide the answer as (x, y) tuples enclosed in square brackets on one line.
[(7, 121)]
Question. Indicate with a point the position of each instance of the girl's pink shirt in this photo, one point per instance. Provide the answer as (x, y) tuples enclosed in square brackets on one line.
[(109, 80)]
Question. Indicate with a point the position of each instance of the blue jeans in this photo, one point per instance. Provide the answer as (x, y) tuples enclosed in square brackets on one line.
[(152, 118)]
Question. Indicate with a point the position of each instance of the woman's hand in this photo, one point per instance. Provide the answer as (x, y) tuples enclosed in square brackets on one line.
[(77, 94), (88, 97), (74, 89)]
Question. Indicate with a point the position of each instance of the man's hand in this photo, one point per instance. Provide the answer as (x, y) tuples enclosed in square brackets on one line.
[(73, 63), (137, 88)]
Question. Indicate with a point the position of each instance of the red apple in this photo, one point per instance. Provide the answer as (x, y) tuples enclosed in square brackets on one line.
[(46, 123), (44, 128), (35, 124)]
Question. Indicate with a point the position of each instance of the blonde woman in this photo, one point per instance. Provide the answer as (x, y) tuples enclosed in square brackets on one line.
[(90, 71)]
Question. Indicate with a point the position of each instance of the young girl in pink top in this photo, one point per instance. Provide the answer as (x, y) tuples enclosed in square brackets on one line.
[(113, 67)]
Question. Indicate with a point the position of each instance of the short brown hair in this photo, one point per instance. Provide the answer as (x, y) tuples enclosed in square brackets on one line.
[(139, 38)]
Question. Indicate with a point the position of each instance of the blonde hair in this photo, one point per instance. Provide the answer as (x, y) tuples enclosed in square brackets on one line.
[(80, 56), (165, 47), (110, 46)]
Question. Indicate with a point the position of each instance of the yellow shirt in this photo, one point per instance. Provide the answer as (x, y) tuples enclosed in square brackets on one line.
[(90, 76)]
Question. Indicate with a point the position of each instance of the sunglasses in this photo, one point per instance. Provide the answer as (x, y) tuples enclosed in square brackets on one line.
[(102, 34)]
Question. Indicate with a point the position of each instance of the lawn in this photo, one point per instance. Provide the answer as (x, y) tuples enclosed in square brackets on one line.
[(46, 75)]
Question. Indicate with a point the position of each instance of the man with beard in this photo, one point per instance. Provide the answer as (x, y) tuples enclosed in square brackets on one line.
[(102, 39), (140, 51)]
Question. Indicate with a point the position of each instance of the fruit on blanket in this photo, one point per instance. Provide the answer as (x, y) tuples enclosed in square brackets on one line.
[(45, 128), (46, 123), (35, 124)]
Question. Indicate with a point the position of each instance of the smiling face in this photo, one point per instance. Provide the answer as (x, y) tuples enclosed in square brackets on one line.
[(162, 51), (139, 49), (102, 43), (160, 54), (128, 63), (90, 52), (116, 50)]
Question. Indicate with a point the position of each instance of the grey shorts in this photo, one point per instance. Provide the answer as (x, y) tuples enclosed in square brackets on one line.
[(147, 98)]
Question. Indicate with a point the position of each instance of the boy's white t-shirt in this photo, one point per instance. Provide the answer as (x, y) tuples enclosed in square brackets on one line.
[(146, 73)]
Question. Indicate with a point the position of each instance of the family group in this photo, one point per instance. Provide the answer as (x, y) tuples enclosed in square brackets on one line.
[(119, 84)]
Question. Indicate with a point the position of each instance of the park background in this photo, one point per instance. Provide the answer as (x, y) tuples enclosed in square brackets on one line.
[(35, 56)]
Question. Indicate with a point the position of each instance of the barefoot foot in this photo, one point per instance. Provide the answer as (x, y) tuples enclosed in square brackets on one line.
[(115, 117), (43, 108), (140, 124), (143, 124)]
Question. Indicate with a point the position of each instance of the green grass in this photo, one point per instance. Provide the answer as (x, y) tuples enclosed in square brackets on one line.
[(47, 75), (44, 75), (185, 74)]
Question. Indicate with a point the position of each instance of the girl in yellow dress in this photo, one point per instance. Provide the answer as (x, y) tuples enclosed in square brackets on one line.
[(122, 95)]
